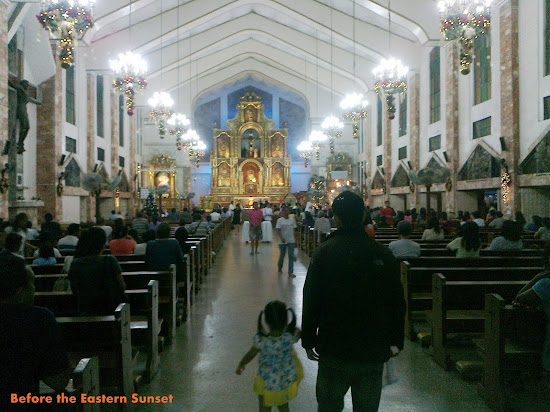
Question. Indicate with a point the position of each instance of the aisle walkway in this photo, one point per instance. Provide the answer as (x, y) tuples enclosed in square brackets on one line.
[(199, 368)]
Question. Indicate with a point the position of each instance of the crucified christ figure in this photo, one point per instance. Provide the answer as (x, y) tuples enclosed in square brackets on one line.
[(22, 99)]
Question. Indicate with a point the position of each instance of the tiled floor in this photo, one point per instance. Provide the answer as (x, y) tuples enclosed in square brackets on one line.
[(199, 368)]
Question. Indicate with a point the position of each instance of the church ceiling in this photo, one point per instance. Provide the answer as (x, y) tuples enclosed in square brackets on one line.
[(198, 36)]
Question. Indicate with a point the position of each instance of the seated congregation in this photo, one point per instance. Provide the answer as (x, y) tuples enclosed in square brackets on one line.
[(110, 296), (100, 300)]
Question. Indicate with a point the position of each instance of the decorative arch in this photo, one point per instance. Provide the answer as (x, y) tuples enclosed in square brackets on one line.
[(252, 172), (124, 184), (378, 181), (480, 165), (72, 173), (400, 178)]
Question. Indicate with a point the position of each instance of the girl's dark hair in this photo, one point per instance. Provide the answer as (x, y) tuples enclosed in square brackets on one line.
[(120, 232), (91, 242), (470, 236), (433, 223), (46, 250), (276, 317), (511, 231), (546, 222), (133, 233), (443, 216), (18, 222), (308, 215), (466, 216), (520, 219), (149, 235), (155, 218), (422, 211)]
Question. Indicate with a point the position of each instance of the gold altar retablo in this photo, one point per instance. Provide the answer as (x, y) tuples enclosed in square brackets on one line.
[(250, 158)]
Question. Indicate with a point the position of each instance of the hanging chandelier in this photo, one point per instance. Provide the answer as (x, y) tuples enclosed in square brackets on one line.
[(465, 20), (332, 127), (355, 109), (390, 78), (160, 110), (318, 140), (66, 20), (129, 70), (197, 150), (179, 127), (305, 149)]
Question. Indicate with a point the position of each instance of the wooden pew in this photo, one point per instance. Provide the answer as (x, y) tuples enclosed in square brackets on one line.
[(84, 380), (417, 281), (145, 322), (137, 280), (458, 307), (513, 342), (109, 338)]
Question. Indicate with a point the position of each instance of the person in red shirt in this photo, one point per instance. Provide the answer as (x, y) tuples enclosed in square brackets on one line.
[(388, 212), (256, 217), (122, 244)]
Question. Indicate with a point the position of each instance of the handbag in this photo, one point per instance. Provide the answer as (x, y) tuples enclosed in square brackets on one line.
[(62, 284)]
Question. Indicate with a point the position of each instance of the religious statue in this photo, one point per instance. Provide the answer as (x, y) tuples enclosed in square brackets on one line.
[(249, 114), (277, 150), (223, 177), (22, 99), (278, 179), (223, 150), (250, 176), (256, 153), (250, 150)]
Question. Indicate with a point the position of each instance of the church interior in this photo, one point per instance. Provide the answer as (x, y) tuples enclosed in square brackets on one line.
[(119, 108)]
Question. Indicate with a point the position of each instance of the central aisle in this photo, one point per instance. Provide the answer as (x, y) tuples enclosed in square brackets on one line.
[(199, 368)]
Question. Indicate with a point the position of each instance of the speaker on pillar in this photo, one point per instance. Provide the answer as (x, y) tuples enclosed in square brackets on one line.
[(409, 164), (382, 169), (503, 143), (62, 160), (446, 156)]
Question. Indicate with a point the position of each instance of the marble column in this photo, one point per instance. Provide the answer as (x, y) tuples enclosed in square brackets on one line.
[(49, 141), (451, 121), (115, 134), (90, 137), (414, 133), (132, 164), (509, 94), (3, 95), (368, 142), (387, 158)]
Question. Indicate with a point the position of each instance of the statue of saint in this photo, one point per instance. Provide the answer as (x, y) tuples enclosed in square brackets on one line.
[(22, 99), (277, 150), (249, 114), (223, 177), (256, 152), (250, 150), (278, 179), (223, 151)]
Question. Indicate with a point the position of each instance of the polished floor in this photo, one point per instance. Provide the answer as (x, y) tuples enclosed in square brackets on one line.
[(199, 368)]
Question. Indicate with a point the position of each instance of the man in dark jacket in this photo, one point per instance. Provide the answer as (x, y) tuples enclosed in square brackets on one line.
[(353, 313)]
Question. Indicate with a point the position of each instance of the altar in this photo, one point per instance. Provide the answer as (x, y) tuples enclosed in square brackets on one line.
[(250, 160)]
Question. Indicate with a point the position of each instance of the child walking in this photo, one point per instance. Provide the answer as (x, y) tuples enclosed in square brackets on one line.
[(279, 369)]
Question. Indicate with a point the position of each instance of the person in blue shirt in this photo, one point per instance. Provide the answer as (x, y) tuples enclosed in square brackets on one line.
[(46, 254), (31, 344)]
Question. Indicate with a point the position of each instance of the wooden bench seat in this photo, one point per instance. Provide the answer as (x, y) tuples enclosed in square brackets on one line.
[(109, 338), (145, 322), (512, 343), (417, 281), (458, 307)]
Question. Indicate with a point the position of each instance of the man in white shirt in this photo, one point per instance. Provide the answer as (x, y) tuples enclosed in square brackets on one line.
[(285, 231), (70, 241), (404, 247), (268, 213), (115, 215), (477, 219), (231, 207), (215, 216), (107, 229)]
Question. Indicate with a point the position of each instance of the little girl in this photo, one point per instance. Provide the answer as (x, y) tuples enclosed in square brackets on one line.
[(279, 369)]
